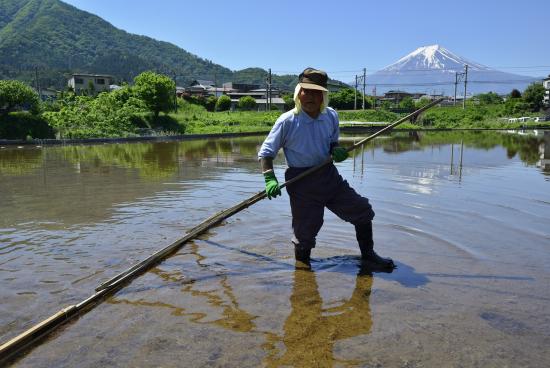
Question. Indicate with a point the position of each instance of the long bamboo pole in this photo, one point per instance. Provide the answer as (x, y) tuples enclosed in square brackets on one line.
[(25, 339)]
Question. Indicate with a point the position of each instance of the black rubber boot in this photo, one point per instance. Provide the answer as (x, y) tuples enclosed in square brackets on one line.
[(302, 254), (363, 233)]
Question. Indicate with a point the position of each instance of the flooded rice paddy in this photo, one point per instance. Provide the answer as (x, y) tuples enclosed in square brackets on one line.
[(466, 217)]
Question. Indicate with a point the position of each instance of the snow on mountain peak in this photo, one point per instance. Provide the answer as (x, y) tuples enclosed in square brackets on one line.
[(433, 57), (433, 69)]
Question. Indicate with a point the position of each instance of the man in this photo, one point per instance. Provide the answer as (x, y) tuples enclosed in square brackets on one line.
[(308, 134)]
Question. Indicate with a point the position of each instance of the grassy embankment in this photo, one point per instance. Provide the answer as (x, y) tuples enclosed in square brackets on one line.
[(473, 117), (197, 120)]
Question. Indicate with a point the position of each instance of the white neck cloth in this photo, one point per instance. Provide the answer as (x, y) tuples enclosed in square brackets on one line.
[(298, 105)]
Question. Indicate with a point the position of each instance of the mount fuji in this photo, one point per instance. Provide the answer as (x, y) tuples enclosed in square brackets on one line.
[(432, 70)]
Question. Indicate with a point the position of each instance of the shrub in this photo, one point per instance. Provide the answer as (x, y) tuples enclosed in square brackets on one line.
[(21, 125), (210, 103), (247, 103), (16, 95), (223, 103), (156, 90), (407, 104), (534, 95), (107, 115)]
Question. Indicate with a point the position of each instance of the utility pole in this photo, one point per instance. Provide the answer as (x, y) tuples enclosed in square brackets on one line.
[(355, 90), (215, 85), (175, 94), (266, 93), (461, 77), (465, 82), (456, 83), (364, 85), (374, 97), (269, 92), (37, 83)]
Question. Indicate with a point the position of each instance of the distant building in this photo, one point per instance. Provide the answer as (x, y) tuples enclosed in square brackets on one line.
[(200, 87), (417, 96), (396, 96), (240, 87), (546, 99), (180, 91), (235, 91), (48, 94), (86, 82), (261, 97)]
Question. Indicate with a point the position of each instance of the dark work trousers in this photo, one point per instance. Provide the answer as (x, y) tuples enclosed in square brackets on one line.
[(310, 195)]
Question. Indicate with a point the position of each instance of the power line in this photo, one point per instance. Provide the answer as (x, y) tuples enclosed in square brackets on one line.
[(415, 70), (449, 83)]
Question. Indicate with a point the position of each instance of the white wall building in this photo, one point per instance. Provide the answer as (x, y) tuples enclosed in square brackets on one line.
[(546, 84), (83, 82)]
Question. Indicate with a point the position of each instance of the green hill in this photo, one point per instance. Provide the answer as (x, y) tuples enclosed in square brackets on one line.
[(57, 39)]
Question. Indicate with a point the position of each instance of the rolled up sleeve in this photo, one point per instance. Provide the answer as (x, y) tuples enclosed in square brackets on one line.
[(272, 143)]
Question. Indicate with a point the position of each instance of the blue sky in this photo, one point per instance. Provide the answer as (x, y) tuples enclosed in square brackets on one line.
[(342, 36)]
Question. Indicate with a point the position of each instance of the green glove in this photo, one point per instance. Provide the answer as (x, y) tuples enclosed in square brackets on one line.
[(339, 154), (271, 185)]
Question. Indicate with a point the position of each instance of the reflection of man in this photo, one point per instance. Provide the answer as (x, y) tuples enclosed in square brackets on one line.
[(309, 135), (311, 331)]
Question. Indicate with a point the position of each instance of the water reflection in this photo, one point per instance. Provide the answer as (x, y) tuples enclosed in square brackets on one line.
[(222, 299), (153, 160), (544, 162), (527, 147), (20, 161), (79, 214), (311, 330), (164, 159)]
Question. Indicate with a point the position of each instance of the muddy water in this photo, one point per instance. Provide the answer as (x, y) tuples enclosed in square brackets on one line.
[(466, 216)]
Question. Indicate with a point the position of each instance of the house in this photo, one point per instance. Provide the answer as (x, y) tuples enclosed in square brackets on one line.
[(180, 91), (546, 99), (240, 87), (90, 83), (396, 96), (235, 91), (261, 97), (200, 87), (417, 96), (48, 94)]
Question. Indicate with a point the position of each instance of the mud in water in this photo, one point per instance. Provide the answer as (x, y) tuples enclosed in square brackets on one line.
[(465, 216)]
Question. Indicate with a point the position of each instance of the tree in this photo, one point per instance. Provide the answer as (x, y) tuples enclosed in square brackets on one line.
[(247, 103), (385, 105), (224, 103), (289, 101), (489, 98), (423, 102), (211, 103), (515, 106), (407, 103), (156, 91), (534, 95), (16, 95), (345, 99), (107, 115), (515, 94), (91, 88)]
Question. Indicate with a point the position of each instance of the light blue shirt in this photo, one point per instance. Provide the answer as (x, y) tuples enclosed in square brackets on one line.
[(305, 141)]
